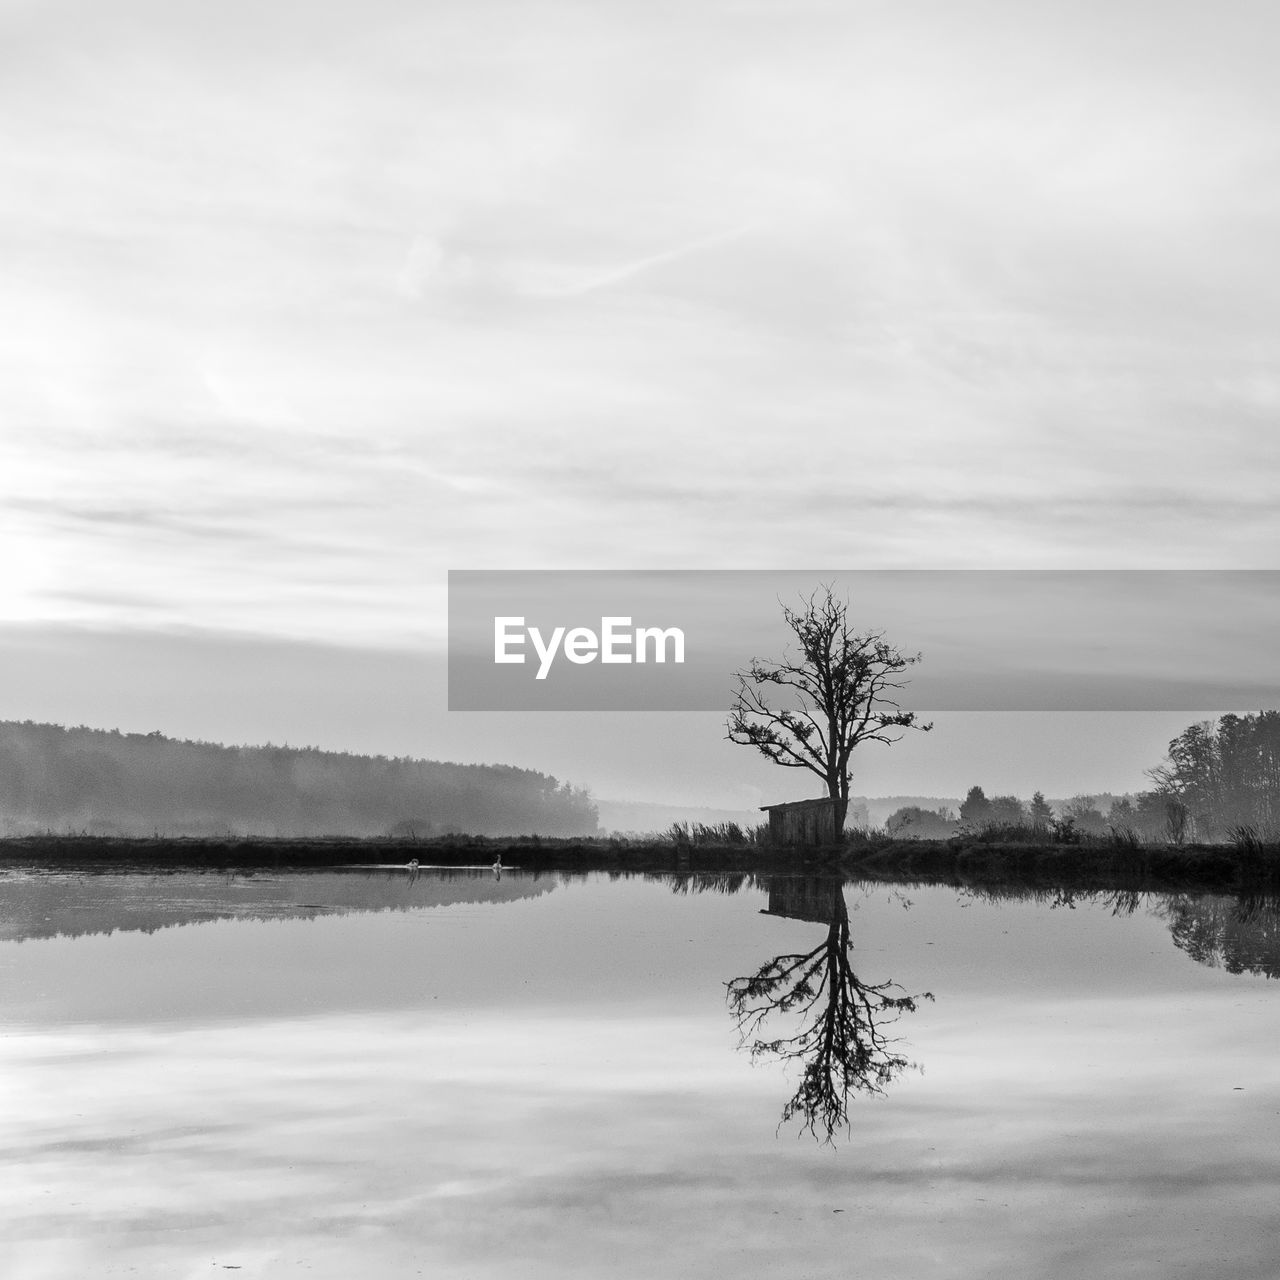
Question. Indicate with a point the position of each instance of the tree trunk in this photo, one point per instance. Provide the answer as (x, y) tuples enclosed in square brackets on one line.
[(834, 790)]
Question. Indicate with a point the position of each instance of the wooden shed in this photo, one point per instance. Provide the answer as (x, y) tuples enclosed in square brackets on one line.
[(802, 822)]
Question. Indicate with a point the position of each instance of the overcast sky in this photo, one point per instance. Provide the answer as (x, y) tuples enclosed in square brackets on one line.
[(307, 303)]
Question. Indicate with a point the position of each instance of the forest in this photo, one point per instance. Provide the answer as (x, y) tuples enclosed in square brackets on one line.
[(105, 782)]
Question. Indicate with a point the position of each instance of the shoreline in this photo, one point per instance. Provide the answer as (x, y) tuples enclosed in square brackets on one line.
[(1206, 867)]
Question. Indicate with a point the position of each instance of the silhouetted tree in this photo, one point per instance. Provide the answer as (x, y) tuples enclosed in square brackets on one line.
[(840, 687), (1175, 821), (1041, 810), (1008, 811), (841, 1043), (975, 808), (1190, 775), (1226, 775), (1149, 815)]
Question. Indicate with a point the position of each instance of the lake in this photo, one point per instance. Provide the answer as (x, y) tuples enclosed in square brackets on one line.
[(356, 1073)]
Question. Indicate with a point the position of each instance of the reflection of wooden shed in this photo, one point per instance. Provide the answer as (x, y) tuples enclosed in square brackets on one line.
[(800, 898), (802, 822)]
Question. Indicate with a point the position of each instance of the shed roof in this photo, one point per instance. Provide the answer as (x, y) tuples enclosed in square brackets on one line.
[(797, 804)]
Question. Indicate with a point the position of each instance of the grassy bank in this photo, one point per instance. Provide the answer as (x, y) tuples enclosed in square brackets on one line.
[(1121, 865), (1210, 867), (532, 852)]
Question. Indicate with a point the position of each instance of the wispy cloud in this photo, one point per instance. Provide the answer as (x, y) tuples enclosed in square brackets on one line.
[(559, 283), (451, 286)]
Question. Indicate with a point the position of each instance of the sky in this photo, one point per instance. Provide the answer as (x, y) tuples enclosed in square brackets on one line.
[(307, 304)]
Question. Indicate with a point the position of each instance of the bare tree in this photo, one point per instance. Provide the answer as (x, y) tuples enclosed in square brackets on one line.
[(841, 1042), (840, 687)]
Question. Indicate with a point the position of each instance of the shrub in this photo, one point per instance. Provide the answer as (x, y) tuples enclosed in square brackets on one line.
[(915, 823), (1251, 843), (1065, 830), (715, 833)]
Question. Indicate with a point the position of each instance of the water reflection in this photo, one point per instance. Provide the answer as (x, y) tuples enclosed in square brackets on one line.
[(1236, 933), (47, 905), (838, 1022), (544, 1084), (1240, 935)]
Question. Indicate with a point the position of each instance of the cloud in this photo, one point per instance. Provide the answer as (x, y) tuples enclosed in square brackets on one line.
[(475, 286), (556, 283)]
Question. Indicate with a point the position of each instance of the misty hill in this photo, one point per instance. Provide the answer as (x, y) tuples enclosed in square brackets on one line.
[(112, 783)]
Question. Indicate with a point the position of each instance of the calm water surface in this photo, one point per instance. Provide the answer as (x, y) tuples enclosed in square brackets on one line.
[(367, 1074)]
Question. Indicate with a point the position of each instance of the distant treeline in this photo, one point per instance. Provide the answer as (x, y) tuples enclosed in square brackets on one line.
[(107, 782), (1144, 814), (1220, 782)]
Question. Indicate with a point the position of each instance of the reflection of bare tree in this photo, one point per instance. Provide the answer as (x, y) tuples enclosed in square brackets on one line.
[(841, 1042)]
